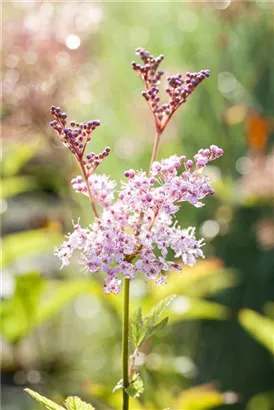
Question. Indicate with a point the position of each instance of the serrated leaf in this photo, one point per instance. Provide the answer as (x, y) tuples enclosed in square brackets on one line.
[(150, 321), (118, 386), (136, 386), (136, 326), (161, 325), (75, 403), (260, 327), (49, 404)]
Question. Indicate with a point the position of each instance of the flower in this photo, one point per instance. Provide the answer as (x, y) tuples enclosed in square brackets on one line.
[(101, 187), (135, 232)]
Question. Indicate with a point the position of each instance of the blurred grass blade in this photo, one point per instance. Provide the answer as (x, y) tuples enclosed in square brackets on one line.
[(17, 156), (206, 278), (204, 397), (61, 294), (27, 243), (17, 313), (30, 305), (13, 186), (186, 308), (260, 327)]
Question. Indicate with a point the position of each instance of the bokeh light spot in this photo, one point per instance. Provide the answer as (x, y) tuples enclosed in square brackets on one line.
[(31, 23), (227, 82), (33, 376), (73, 42), (235, 114), (244, 165), (210, 229), (181, 305), (12, 76), (125, 148), (185, 366), (222, 4), (8, 285), (3, 206)]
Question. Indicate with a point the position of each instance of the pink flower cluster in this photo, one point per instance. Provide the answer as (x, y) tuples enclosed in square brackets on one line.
[(136, 232)]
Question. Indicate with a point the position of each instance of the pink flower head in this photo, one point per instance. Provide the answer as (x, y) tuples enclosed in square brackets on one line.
[(135, 232)]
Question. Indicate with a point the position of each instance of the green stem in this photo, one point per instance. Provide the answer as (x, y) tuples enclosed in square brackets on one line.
[(125, 344), (156, 145), (92, 203)]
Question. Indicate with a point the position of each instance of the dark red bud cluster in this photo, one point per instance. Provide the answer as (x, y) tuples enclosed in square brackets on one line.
[(92, 160), (178, 87), (148, 71), (76, 136)]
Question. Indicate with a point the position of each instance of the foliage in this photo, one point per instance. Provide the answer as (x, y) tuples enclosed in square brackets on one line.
[(143, 328), (260, 327), (204, 397), (35, 301), (71, 403)]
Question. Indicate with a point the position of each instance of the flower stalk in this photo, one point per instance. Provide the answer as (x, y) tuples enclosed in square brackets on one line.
[(125, 344), (134, 230), (85, 176), (156, 145)]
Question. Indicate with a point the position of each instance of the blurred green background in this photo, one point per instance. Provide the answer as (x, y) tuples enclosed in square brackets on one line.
[(60, 334)]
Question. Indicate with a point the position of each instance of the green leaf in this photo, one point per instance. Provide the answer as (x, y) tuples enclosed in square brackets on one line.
[(150, 321), (136, 326), (161, 325), (136, 386), (75, 403), (12, 186), (71, 403), (49, 404), (118, 386), (260, 327)]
